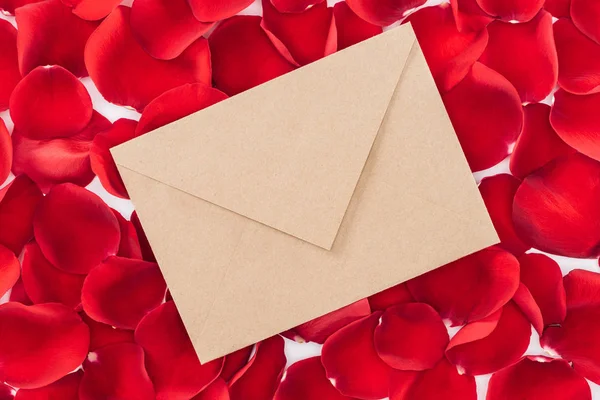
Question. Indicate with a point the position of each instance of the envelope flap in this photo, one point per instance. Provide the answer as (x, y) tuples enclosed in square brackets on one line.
[(289, 153)]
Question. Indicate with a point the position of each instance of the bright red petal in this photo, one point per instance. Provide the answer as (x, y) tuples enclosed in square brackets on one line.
[(393, 296), (210, 10), (234, 362), (582, 288), (450, 53), (92, 10), (558, 8), (471, 288), (243, 56), (66, 388), (511, 10), (9, 6), (383, 12), (351, 29), (352, 363), (116, 372), (103, 335), (10, 270), (585, 15), (487, 102), (147, 253), (6, 152), (17, 294), (538, 378), (130, 244), (528, 306), (294, 6), (40, 344), (555, 208), (126, 75), (217, 390), (469, 16), (9, 65), (50, 34)]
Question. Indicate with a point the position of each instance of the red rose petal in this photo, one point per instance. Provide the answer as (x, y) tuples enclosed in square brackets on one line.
[(171, 360), (165, 28), (66, 388), (126, 75), (510, 10), (540, 378), (75, 229), (121, 291), (543, 278), (543, 211), (50, 34), (92, 10), (469, 16), (294, 6), (470, 288), (351, 29), (578, 58), (261, 376), (103, 335), (17, 208), (393, 296), (147, 253), (582, 288), (130, 244), (9, 65), (243, 56), (487, 102), (352, 363), (57, 334), (6, 152), (234, 362), (306, 379), (528, 306), (116, 372), (17, 294), (585, 15), (55, 161), (176, 104), (45, 283), (502, 347), (10, 270), (411, 337), (9, 6), (383, 12), (217, 390), (449, 53), (558, 8), (538, 143), (209, 10), (63, 105), (101, 161), (6, 392), (525, 54), (498, 192)]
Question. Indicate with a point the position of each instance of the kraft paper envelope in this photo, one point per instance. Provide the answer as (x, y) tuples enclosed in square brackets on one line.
[(305, 194)]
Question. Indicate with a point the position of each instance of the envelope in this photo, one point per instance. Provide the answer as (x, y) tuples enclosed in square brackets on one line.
[(305, 194)]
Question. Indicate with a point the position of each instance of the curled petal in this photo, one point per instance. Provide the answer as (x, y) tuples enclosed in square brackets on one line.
[(92, 10), (116, 372), (485, 101), (170, 357), (58, 335), (165, 28), (411, 337), (234, 362), (469, 16), (121, 291), (130, 244), (558, 8), (393, 296), (511, 10), (470, 288), (528, 306), (243, 56), (498, 192), (6, 152), (533, 65), (66, 388), (351, 29), (209, 10), (539, 377), (538, 143), (585, 15), (50, 34), (10, 270), (9, 64), (555, 208), (103, 335), (351, 361), (126, 75), (383, 12), (217, 390)]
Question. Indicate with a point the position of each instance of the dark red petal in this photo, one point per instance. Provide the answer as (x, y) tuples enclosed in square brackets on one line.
[(234, 362), (485, 101), (103, 335), (62, 105), (294, 6), (303, 37), (92, 10), (40, 344), (50, 34), (176, 104), (17, 294), (578, 58), (351, 29), (209, 10), (411, 337), (538, 378), (10, 270), (17, 207), (170, 357), (66, 388), (528, 306), (6, 392), (585, 15), (261, 376), (352, 363), (319, 329), (510, 10), (147, 253), (121, 291), (498, 192), (165, 28), (126, 75), (306, 379), (101, 161), (538, 143), (45, 283), (217, 390), (543, 278), (503, 346), (469, 16), (9, 6), (393, 296), (383, 12), (558, 8), (243, 56), (6, 152), (9, 65), (555, 208), (471, 288), (130, 244), (116, 372), (525, 54), (449, 53), (75, 229)]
